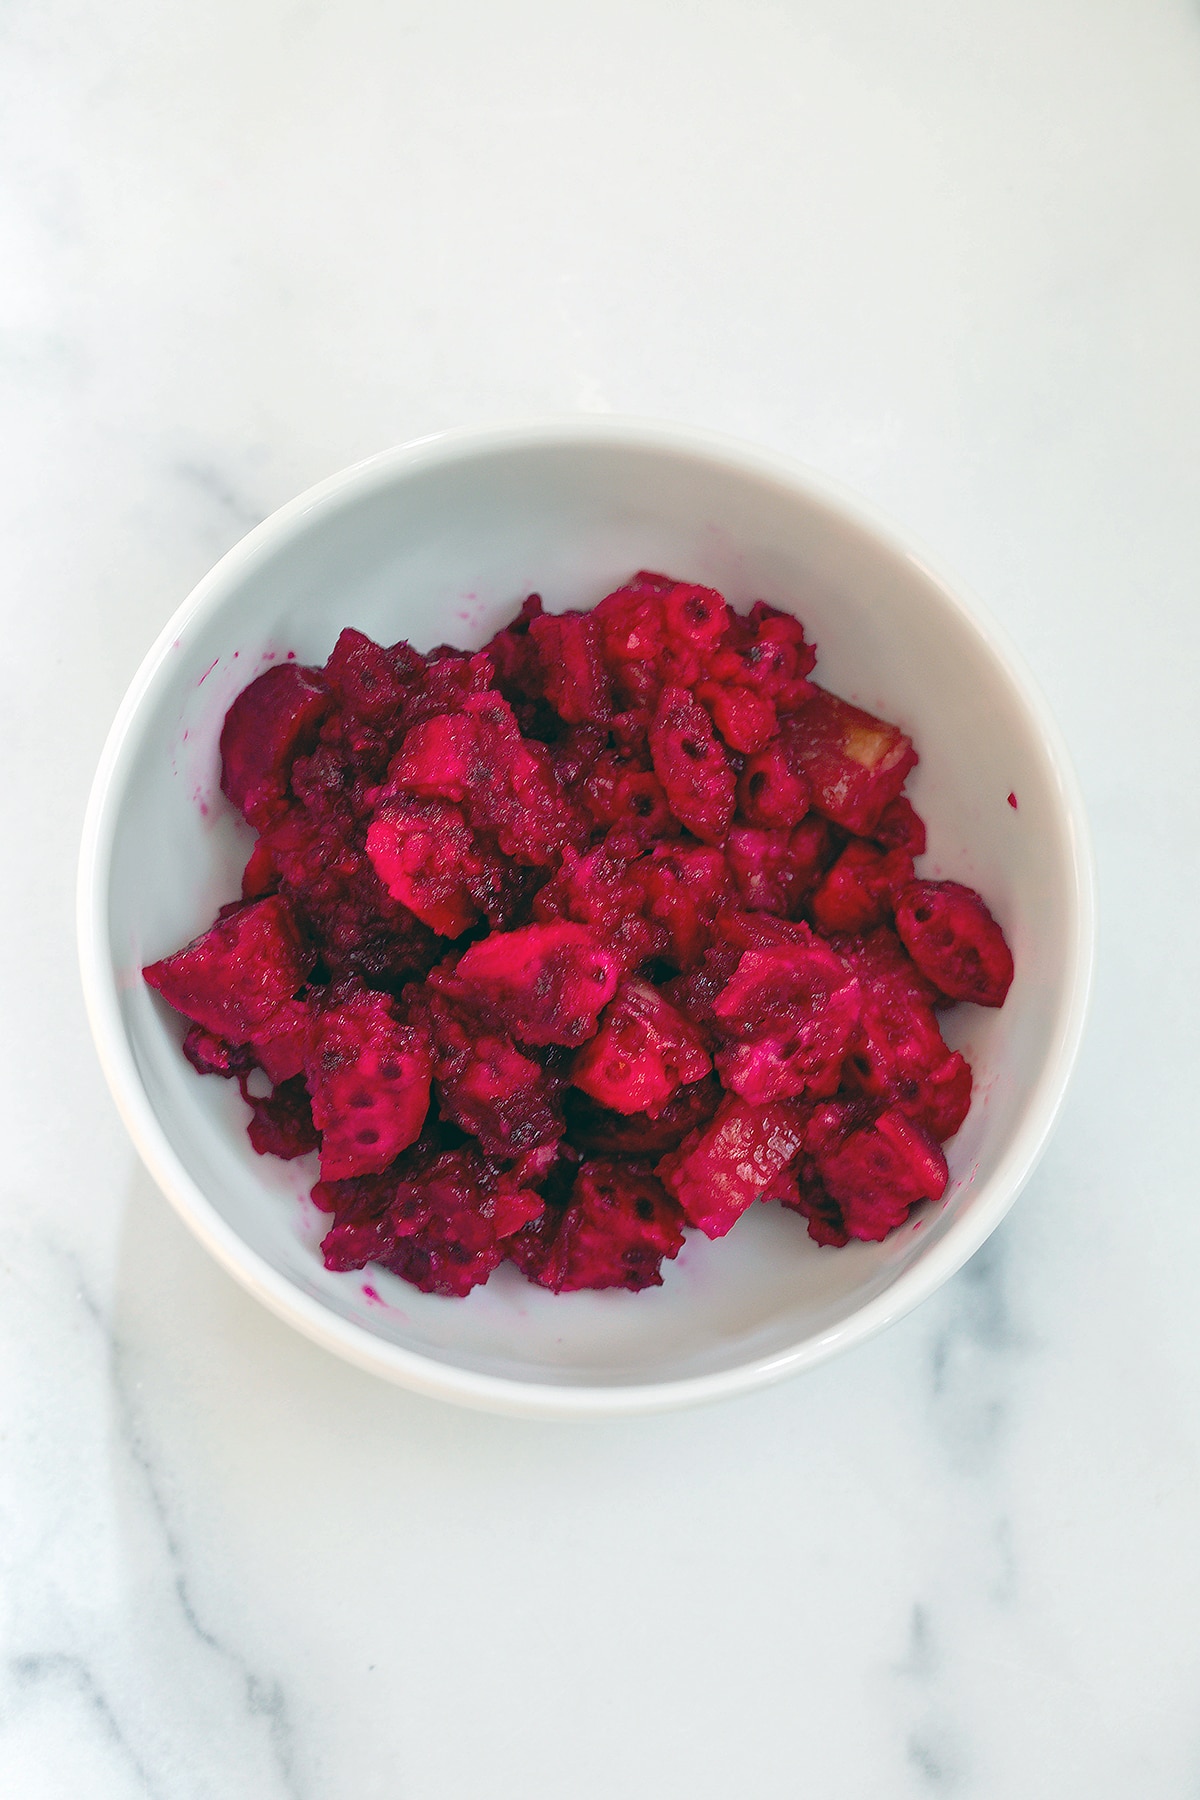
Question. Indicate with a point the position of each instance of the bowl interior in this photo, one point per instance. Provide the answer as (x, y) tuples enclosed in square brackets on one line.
[(443, 545)]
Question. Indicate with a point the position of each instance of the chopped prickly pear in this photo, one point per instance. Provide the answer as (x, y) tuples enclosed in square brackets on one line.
[(788, 1015), (765, 652), (616, 1230), (768, 878), (507, 910), (427, 1219), (605, 891), (859, 890), (598, 1131), (898, 1055), (758, 931), (486, 1086), (879, 1171), (643, 1052), (454, 1246), (281, 1048), (811, 849), (424, 853), (821, 1210), (369, 1080), (362, 1230), (655, 632), (514, 1202), (695, 772), (901, 827), (371, 682), (855, 763), (722, 1168), (270, 723), (507, 785), (544, 984), (618, 793), (212, 1055), (282, 1122), (684, 890), (954, 941), (771, 793), (574, 679), (514, 656), (745, 718), (239, 976), (450, 679)]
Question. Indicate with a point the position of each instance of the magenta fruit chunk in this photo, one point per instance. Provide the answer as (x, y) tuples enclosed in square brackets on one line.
[(879, 1171), (237, 978), (898, 1055), (787, 1015), (722, 1168), (282, 1122), (212, 1055), (270, 723), (544, 984), (369, 1079), (598, 1131), (618, 792), (485, 1085), (900, 827), (605, 891), (769, 877), (684, 889), (506, 784), (423, 852), (954, 940), (859, 890), (771, 791), (369, 681), (642, 1053), (617, 1228), (694, 771), (574, 678), (855, 763)]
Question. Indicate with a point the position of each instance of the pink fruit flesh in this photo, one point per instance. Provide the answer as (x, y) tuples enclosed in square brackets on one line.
[(238, 977), (369, 1080), (269, 724), (557, 948), (954, 940), (879, 1171), (485, 1085), (854, 763), (695, 772), (786, 1017), (618, 1226), (545, 984), (859, 890), (423, 852), (720, 1170), (643, 1052)]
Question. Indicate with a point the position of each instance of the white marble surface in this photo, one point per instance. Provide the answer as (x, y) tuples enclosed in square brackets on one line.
[(949, 252)]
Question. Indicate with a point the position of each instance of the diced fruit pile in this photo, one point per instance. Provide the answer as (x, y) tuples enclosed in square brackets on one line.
[(554, 950)]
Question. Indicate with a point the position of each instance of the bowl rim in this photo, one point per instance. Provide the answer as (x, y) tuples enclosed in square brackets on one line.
[(426, 1374)]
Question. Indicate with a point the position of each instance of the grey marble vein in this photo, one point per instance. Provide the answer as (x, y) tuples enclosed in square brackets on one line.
[(207, 479), (935, 1760), (76, 1676), (264, 1696), (971, 1360), (74, 1663)]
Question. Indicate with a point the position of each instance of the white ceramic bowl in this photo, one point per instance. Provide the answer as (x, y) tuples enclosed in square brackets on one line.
[(440, 540)]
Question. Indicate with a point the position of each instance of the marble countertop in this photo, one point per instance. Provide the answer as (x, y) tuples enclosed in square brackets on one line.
[(951, 255)]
